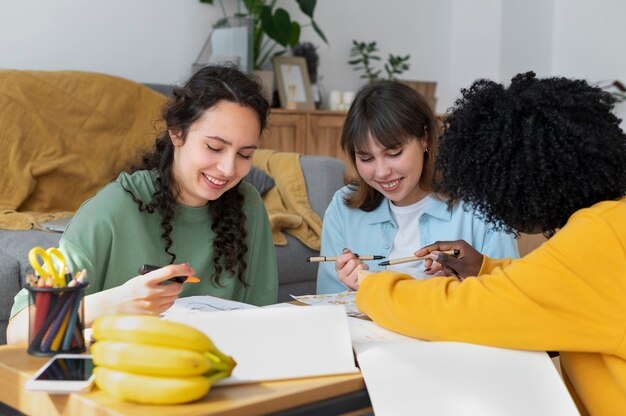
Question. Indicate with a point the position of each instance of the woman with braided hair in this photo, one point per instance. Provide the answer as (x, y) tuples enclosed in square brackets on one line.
[(541, 156), (186, 208)]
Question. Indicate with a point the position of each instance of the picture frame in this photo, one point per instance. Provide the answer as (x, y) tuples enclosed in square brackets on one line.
[(294, 86)]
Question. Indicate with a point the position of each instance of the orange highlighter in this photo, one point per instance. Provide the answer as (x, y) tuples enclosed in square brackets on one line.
[(178, 279)]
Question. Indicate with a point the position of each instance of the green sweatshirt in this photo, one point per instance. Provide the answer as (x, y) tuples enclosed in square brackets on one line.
[(111, 239), (567, 295)]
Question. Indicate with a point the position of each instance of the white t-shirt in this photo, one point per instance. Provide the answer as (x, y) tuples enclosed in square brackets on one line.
[(407, 240)]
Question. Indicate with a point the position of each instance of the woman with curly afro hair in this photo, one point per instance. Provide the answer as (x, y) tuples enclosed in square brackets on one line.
[(543, 155), (187, 208)]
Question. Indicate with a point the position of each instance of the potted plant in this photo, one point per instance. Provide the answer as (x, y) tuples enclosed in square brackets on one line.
[(363, 53), (272, 26)]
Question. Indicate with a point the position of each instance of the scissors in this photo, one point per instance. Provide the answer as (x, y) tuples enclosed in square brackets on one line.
[(47, 256)]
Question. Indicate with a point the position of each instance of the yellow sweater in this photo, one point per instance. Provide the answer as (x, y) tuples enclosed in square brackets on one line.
[(569, 295)]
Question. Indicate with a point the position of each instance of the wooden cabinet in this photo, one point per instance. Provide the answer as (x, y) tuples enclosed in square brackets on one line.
[(307, 132)]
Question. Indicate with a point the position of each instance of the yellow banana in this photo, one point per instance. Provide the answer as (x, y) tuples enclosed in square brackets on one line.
[(153, 359), (148, 329), (150, 389)]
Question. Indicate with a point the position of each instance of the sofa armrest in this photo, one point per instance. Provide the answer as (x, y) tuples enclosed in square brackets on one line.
[(9, 286), (14, 266)]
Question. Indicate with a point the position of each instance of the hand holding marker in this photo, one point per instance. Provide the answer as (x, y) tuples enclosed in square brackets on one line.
[(178, 279)]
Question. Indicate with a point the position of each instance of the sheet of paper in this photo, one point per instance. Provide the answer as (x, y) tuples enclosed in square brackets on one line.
[(279, 343), (346, 299), (366, 334), (199, 304), (449, 378)]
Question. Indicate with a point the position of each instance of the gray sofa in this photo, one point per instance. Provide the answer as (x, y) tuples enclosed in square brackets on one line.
[(323, 176)]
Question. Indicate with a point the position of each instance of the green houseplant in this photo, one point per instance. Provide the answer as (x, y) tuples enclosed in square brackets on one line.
[(364, 53), (272, 26)]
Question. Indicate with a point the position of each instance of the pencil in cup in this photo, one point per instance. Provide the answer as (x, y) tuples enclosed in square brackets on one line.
[(320, 259), (60, 313), (414, 258)]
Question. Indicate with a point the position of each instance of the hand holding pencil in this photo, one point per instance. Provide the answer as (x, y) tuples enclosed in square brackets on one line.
[(319, 259), (467, 262), (414, 258), (347, 266)]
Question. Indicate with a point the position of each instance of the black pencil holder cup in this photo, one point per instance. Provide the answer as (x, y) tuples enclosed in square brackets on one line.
[(56, 323)]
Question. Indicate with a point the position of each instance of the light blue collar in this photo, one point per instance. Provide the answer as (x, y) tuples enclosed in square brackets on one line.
[(435, 208)]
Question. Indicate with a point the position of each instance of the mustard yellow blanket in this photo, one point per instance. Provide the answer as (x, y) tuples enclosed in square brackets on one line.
[(65, 135), (287, 203)]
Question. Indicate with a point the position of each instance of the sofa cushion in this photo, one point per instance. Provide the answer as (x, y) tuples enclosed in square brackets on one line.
[(9, 286), (17, 244), (323, 177), (260, 180), (9, 266)]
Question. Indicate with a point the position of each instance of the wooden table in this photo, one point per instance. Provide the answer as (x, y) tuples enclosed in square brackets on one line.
[(16, 366)]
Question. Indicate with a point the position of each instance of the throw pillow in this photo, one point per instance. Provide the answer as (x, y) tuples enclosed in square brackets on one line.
[(260, 180)]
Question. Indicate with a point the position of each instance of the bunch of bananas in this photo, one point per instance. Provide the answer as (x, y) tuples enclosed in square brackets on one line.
[(142, 359)]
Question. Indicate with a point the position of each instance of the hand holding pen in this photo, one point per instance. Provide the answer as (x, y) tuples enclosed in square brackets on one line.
[(347, 266), (145, 294), (465, 263)]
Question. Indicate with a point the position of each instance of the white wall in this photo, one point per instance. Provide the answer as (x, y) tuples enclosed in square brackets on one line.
[(452, 42), (438, 34), (143, 40), (589, 39), (589, 42), (527, 37)]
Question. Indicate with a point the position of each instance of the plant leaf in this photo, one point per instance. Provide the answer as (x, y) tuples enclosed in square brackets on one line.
[(282, 23), (319, 31), (255, 7), (277, 26), (307, 7), (295, 34)]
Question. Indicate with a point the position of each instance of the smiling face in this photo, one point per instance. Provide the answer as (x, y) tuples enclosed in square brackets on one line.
[(394, 172), (216, 154)]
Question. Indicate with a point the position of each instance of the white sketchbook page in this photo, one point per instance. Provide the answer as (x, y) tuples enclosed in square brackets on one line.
[(279, 343), (449, 378), (199, 304)]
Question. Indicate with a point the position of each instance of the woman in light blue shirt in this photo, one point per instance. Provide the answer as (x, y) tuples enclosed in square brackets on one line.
[(390, 136)]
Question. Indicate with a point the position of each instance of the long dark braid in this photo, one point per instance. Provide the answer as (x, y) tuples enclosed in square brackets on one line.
[(204, 90)]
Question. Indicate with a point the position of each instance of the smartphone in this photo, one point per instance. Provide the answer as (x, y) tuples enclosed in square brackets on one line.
[(63, 374)]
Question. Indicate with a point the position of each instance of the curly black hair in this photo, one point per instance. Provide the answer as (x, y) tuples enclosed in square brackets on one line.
[(204, 90), (528, 156)]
